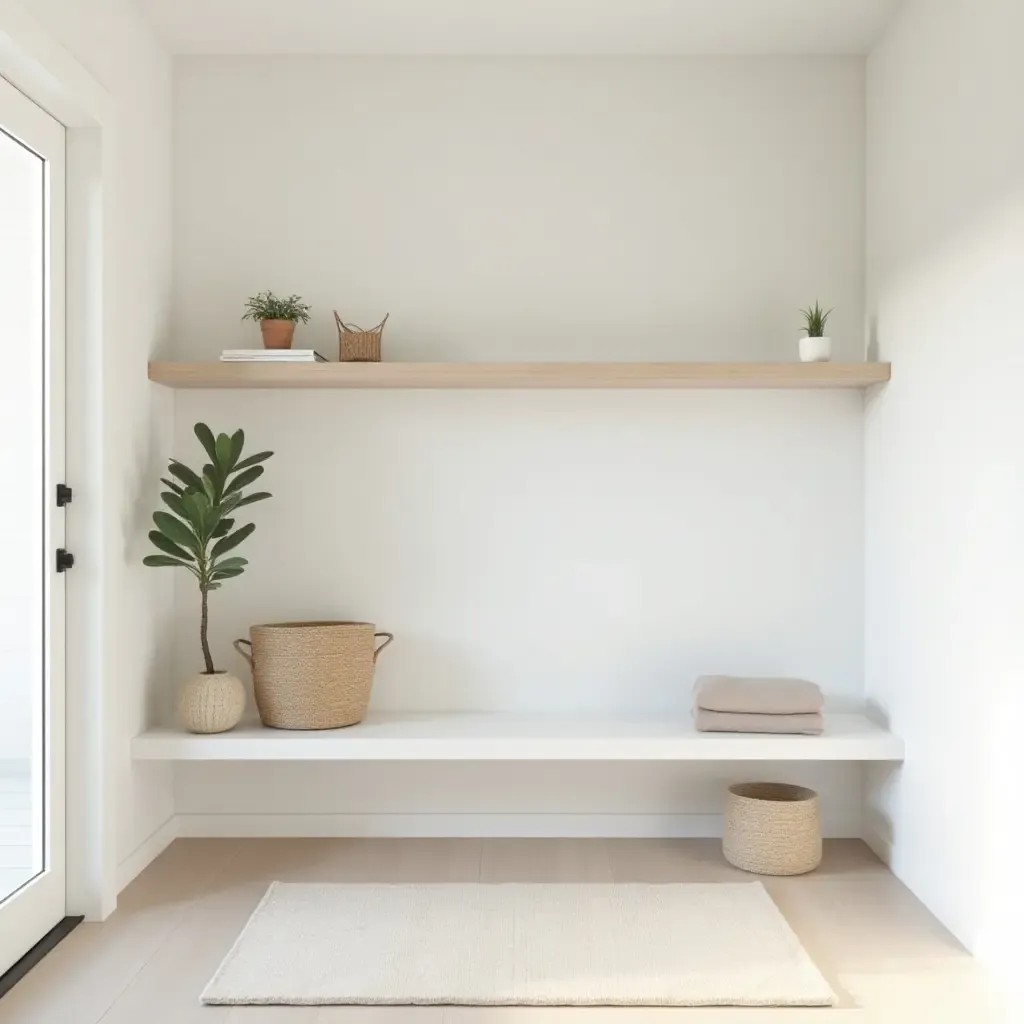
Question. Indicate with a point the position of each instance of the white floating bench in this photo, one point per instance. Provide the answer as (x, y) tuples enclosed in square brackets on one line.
[(450, 736)]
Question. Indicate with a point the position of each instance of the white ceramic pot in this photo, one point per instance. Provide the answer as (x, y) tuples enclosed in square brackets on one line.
[(211, 703), (815, 350)]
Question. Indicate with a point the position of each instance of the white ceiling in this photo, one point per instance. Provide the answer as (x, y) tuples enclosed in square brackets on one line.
[(520, 26)]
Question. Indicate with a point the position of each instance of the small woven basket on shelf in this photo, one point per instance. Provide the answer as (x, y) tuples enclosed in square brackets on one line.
[(312, 675), (356, 345), (772, 828)]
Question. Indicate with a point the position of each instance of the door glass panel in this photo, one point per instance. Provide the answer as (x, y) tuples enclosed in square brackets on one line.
[(22, 513)]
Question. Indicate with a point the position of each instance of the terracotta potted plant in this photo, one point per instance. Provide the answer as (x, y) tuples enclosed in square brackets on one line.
[(197, 532), (277, 317), (815, 348)]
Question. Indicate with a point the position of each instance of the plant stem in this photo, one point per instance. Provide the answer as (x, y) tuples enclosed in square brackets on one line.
[(204, 622)]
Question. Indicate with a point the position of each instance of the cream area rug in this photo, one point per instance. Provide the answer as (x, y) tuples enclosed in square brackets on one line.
[(531, 945)]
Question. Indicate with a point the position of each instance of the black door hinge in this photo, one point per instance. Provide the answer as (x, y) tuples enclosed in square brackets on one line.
[(65, 560), (64, 495)]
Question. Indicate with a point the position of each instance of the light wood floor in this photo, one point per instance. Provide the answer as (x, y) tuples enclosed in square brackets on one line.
[(883, 953)]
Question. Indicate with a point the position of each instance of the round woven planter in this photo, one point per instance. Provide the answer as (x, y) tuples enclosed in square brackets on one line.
[(312, 675), (211, 702), (772, 828)]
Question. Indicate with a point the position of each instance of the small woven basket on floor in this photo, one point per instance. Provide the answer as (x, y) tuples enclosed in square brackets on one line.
[(772, 828), (312, 675), (356, 345)]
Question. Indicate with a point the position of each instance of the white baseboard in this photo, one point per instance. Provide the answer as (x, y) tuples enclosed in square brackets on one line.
[(147, 851), (577, 826)]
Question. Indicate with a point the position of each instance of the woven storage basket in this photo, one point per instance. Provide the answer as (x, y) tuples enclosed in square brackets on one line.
[(772, 828), (312, 675), (356, 345)]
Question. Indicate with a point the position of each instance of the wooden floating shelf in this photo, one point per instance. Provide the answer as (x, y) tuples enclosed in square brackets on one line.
[(520, 375), (443, 736)]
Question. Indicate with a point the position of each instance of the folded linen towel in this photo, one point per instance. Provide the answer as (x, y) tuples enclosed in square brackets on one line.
[(757, 696), (725, 721)]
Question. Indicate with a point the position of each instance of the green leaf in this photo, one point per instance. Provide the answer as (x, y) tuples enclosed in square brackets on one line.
[(168, 546), (188, 477), (173, 486), (209, 486), (223, 528), (228, 568), (213, 521), (160, 561), (177, 532), (218, 477), (205, 435), (193, 515), (198, 506), (218, 513), (227, 574), (251, 460), (244, 479), (234, 562), (199, 500), (237, 444), (175, 504), (256, 496), (223, 459), (232, 540)]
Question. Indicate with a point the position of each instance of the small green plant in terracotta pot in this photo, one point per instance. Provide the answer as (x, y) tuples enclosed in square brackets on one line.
[(198, 532), (277, 317)]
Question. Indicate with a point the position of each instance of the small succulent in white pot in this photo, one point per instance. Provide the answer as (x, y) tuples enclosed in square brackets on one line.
[(198, 533), (815, 347)]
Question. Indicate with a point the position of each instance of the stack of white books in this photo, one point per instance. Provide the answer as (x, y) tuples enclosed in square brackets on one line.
[(271, 355)]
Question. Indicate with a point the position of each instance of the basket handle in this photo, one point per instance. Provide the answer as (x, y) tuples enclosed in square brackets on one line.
[(355, 328), (245, 654), (377, 650)]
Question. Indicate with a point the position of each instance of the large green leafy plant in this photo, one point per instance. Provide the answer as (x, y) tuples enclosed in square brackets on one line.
[(199, 530)]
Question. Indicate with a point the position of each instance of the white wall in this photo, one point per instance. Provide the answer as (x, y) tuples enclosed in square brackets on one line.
[(115, 45), (523, 208), (945, 500), (548, 553), (563, 552)]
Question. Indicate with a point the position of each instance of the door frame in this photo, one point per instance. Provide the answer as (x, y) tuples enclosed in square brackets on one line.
[(39, 67), (37, 906)]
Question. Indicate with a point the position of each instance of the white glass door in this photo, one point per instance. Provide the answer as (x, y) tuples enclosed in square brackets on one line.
[(31, 525)]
